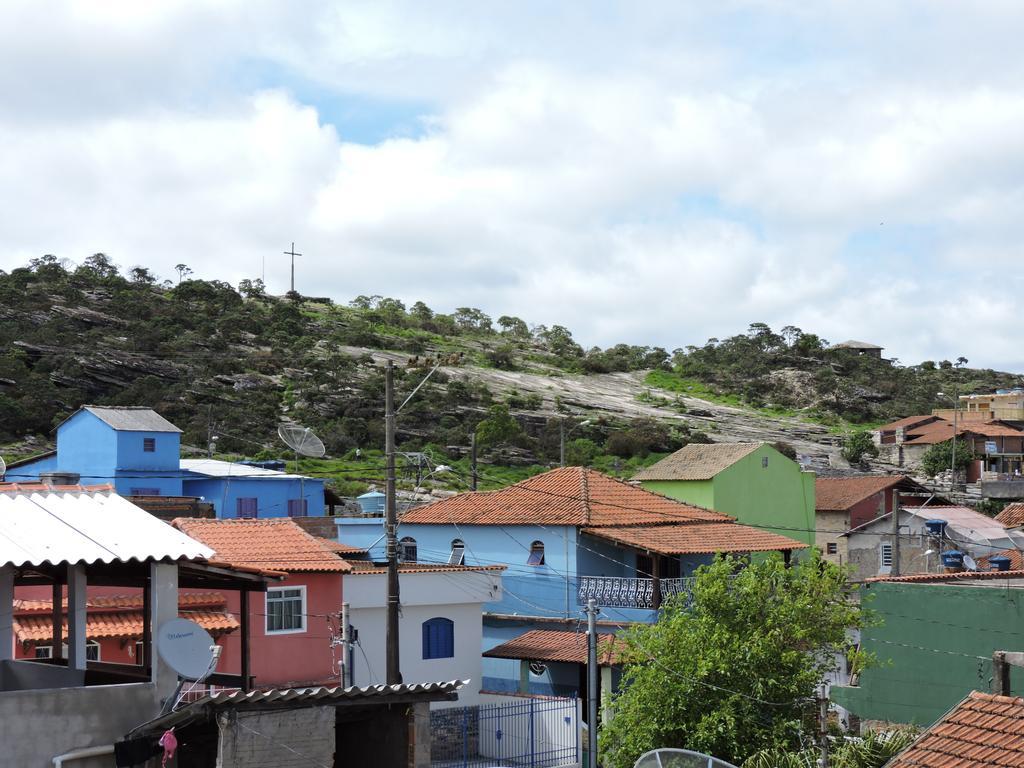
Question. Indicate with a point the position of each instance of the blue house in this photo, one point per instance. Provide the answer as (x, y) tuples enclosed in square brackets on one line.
[(565, 536), (138, 451)]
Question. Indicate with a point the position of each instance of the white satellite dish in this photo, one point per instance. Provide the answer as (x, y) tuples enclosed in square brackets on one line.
[(969, 563), (302, 440), (3, 468), (679, 758), (187, 648)]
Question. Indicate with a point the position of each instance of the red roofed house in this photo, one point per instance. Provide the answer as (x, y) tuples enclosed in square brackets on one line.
[(843, 503), (290, 626), (567, 535)]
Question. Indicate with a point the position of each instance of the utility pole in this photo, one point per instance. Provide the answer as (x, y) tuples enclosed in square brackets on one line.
[(823, 714), (895, 533), (592, 681), (394, 672), (293, 254), (472, 461), (952, 458), (561, 443), (346, 649)]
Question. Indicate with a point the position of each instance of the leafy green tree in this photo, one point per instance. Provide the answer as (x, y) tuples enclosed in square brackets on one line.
[(498, 427), (581, 452), (938, 458), (472, 319), (873, 750), (735, 671), (858, 445), (252, 289), (514, 326)]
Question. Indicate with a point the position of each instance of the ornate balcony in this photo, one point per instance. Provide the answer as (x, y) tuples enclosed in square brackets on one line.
[(617, 592)]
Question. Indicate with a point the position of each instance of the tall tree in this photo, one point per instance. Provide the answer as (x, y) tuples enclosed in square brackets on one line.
[(735, 671)]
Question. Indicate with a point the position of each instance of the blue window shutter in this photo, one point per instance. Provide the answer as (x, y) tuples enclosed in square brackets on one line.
[(297, 507), (438, 638), (245, 507)]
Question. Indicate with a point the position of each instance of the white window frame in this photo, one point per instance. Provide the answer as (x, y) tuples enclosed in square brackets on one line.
[(64, 649), (882, 548), (302, 613), (47, 648)]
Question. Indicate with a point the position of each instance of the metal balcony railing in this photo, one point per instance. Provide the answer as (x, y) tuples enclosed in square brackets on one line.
[(618, 592)]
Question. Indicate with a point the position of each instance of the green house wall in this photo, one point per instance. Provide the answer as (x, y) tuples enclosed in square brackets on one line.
[(935, 645), (779, 497)]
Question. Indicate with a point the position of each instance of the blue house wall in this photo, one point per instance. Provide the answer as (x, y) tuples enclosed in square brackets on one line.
[(30, 470), (272, 493)]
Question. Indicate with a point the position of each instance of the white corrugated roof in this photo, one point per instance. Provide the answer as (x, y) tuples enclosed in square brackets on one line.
[(52, 526), (972, 525), (217, 468)]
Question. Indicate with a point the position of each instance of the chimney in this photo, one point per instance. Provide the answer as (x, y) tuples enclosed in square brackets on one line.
[(53, 479)]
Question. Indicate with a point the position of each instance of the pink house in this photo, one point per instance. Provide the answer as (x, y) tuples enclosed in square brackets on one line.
[(293, 625)]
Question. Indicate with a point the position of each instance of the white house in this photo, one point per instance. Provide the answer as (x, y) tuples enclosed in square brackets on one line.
[(440, 625)]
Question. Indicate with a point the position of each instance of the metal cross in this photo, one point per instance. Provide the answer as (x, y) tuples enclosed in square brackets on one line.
[(293, 254)]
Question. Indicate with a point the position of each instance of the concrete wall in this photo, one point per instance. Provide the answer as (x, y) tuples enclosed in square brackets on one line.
[(37, 725), (935, 643), (272, 494), (831, 526), (258, 739)]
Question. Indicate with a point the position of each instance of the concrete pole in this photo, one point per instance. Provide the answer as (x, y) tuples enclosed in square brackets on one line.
[(76, 616), (823, 714), (952, 458), (472, 461), (346, 649), (163, 605), (592, 680), (561, 443), (895, 533), (394, 672)]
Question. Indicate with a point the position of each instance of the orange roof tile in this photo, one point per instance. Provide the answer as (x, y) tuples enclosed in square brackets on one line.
[(119, 616), (955, 576), (339, 548), (909, 421), (275, 544), (697, 461), (34, 486), (1015, 556), (941, 431), (703, 538), (1012, 515), (838, 494), (565, 496), (559, 645), (982, 731)]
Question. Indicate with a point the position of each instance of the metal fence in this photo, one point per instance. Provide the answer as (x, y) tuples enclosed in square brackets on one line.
[(534, 732)]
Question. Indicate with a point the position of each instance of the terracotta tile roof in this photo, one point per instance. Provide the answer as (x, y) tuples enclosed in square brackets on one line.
[(275, 544), (1012, 515), (909, 421), (33, 487), (982, 731), (1015, 556), (703, 538), (697, 461), (339, 548), (956, 576), (838, 494), (119, 617), (941, 431), (565, 496), (365, 568), (554, 645)]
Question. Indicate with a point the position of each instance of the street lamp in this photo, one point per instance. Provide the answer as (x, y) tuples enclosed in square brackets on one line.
[(563, 434), (952, 458)]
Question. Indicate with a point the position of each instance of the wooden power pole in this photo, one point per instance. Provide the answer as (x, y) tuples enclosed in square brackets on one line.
[(394, 672)]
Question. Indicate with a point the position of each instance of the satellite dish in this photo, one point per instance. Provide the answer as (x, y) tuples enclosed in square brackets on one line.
[(187, 648), (679, 758), (302, 440), (3, 467), (969, 563)]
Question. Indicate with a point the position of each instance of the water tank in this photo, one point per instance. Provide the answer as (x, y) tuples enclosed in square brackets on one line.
[(1002, 391), (372, 503), (59, 478), (953, 558), (1000, 563), (935, 527)]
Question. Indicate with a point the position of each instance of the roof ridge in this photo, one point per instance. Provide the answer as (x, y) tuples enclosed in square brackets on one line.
[(585, 494)]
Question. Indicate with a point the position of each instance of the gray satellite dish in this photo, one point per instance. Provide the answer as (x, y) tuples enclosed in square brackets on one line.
[(187, 648), (679, 758), (3, 467), (302, 440), (969, 563)]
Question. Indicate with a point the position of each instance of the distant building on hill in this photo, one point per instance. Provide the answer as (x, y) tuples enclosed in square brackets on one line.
[(860, 348)]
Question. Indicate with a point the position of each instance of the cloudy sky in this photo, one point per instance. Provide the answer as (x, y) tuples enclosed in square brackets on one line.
[(655, 172)]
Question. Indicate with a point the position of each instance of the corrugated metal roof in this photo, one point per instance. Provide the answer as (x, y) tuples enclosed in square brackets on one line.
[(53, 526), (697, 461), (298, 697), (217, 468), (131, 419)]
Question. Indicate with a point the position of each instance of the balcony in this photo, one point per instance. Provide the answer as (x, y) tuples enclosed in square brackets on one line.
[(617, 592)]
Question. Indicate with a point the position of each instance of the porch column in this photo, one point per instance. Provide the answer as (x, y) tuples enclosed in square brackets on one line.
[(76, 616), (57, 617), (163, 601), (245, 621), (606, 695), (6, 612), (656, 587)]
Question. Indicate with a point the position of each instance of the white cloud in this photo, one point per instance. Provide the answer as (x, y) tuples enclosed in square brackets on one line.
[(655, 177)]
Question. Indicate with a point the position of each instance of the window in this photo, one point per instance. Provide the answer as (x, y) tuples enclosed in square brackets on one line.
[(536, 554), (297, 507), (245, 507), (886, 555), (407, 549), (149, 444), (458, 555), (92, 651), (438, 638), (44, 652), (764, 462), (145, 491), (139, 652), (832, 548), (286, 610)]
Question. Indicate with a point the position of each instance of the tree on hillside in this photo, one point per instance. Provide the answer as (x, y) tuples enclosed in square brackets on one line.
[(858, 445), (499, 426), (938, 458), (736, 671)]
